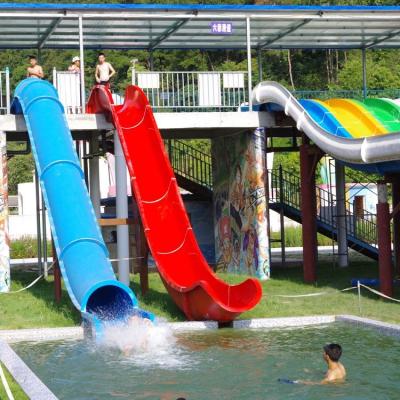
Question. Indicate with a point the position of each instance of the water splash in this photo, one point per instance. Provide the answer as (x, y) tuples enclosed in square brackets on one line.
[(144, 343)]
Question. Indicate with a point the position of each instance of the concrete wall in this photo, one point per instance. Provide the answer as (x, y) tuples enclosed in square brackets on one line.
[(201, 217)]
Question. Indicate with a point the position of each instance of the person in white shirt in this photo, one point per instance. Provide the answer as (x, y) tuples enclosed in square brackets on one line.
[(104, 71), (75, 65)]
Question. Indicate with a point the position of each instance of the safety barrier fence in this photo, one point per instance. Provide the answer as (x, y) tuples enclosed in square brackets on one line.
[(360, 224), (5, 95), (326, 293), (193, 91), (189, 162), (348, 94), (176, 91), (68, 85)]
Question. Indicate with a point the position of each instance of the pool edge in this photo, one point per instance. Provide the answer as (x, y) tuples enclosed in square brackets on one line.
[(32, 386), (37, 390), (383, 327)]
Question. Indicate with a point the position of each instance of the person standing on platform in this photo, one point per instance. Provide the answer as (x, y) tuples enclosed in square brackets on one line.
[(104, 71), (75, 65), (34, 70)]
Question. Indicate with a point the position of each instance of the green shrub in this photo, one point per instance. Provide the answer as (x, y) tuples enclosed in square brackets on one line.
[(293, 238), (26, 247)]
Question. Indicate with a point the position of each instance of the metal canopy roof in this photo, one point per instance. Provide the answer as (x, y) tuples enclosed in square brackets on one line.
[(149, 26)]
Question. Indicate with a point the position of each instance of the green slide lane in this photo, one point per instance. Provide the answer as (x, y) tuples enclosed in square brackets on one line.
[(385, 111)]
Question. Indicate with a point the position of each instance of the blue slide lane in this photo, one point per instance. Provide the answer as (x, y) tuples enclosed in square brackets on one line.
[(324, 118), (82, 253)]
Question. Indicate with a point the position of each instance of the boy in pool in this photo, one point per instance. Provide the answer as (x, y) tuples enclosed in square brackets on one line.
[(336, 371)]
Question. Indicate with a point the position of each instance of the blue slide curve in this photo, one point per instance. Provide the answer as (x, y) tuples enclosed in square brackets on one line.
[(324, 118), (82, 253)]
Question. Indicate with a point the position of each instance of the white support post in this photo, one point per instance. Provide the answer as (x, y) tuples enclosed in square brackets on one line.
[(8, 92), (122, 211), (55, 77), (343, 259), (364, 72), (94, 176), (249, 66), (259, 64), (81, 57)]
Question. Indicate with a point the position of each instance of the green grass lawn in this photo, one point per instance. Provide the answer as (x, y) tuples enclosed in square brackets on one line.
[(36, 307), (14, 387)]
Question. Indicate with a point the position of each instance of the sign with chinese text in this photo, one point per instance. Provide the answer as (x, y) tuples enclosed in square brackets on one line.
[(221, 28)]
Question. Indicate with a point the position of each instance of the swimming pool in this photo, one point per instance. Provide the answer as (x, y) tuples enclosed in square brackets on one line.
[(224, 364)]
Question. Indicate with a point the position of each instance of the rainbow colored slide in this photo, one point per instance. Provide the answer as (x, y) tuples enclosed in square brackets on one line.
[(194, 287), (364, 135)]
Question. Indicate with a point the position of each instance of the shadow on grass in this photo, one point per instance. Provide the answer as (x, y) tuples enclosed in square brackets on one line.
[(44, 290)]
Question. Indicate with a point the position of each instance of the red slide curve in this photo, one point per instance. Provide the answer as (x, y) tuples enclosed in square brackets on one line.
[(197, 291)]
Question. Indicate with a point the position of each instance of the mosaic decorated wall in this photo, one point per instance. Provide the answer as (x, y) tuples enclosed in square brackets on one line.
[(4, 242), (240, 208)]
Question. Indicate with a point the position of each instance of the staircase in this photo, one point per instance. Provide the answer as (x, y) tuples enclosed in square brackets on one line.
[(192, 167), (193, 171), (361, 229)]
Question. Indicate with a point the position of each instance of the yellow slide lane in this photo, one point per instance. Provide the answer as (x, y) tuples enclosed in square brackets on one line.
[(359, 122)]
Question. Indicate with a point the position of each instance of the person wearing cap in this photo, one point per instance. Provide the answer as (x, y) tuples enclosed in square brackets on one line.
[(75, 65)]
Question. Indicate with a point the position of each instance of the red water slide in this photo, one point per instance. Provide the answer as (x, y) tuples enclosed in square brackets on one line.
[(189, 280)]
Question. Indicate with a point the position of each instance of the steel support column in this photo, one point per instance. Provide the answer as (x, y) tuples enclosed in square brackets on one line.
[(396, 222), (249, 66), (44, 237), (364, 73), (94, 175), (308, 161), (57, 275), (259, 65), (142, 251), (384, 241), (343, 259), (122, 211), (38, 220), (82, 60)]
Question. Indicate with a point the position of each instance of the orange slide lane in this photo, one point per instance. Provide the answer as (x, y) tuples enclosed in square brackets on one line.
[(197, 291), (355, 119)]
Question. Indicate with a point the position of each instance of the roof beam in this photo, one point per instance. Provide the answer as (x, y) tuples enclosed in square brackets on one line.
[(167, 33), (388, 36), (283, 34), (48, 33)]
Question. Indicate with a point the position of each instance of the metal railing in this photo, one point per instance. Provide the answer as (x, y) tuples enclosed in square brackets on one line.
[(189, 162), (286, 191), (5, 95), (68, 85), (347, 94), (193, 91)]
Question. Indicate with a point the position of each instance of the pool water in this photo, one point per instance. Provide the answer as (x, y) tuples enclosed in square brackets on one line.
[(224, 364)]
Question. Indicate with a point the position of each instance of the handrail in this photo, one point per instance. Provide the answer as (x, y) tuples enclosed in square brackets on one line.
[(285, 189), (190, 162), (348, 94)]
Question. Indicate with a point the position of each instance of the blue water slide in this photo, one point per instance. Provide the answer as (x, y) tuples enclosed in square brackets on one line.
[(324, 118), (82, 253)]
